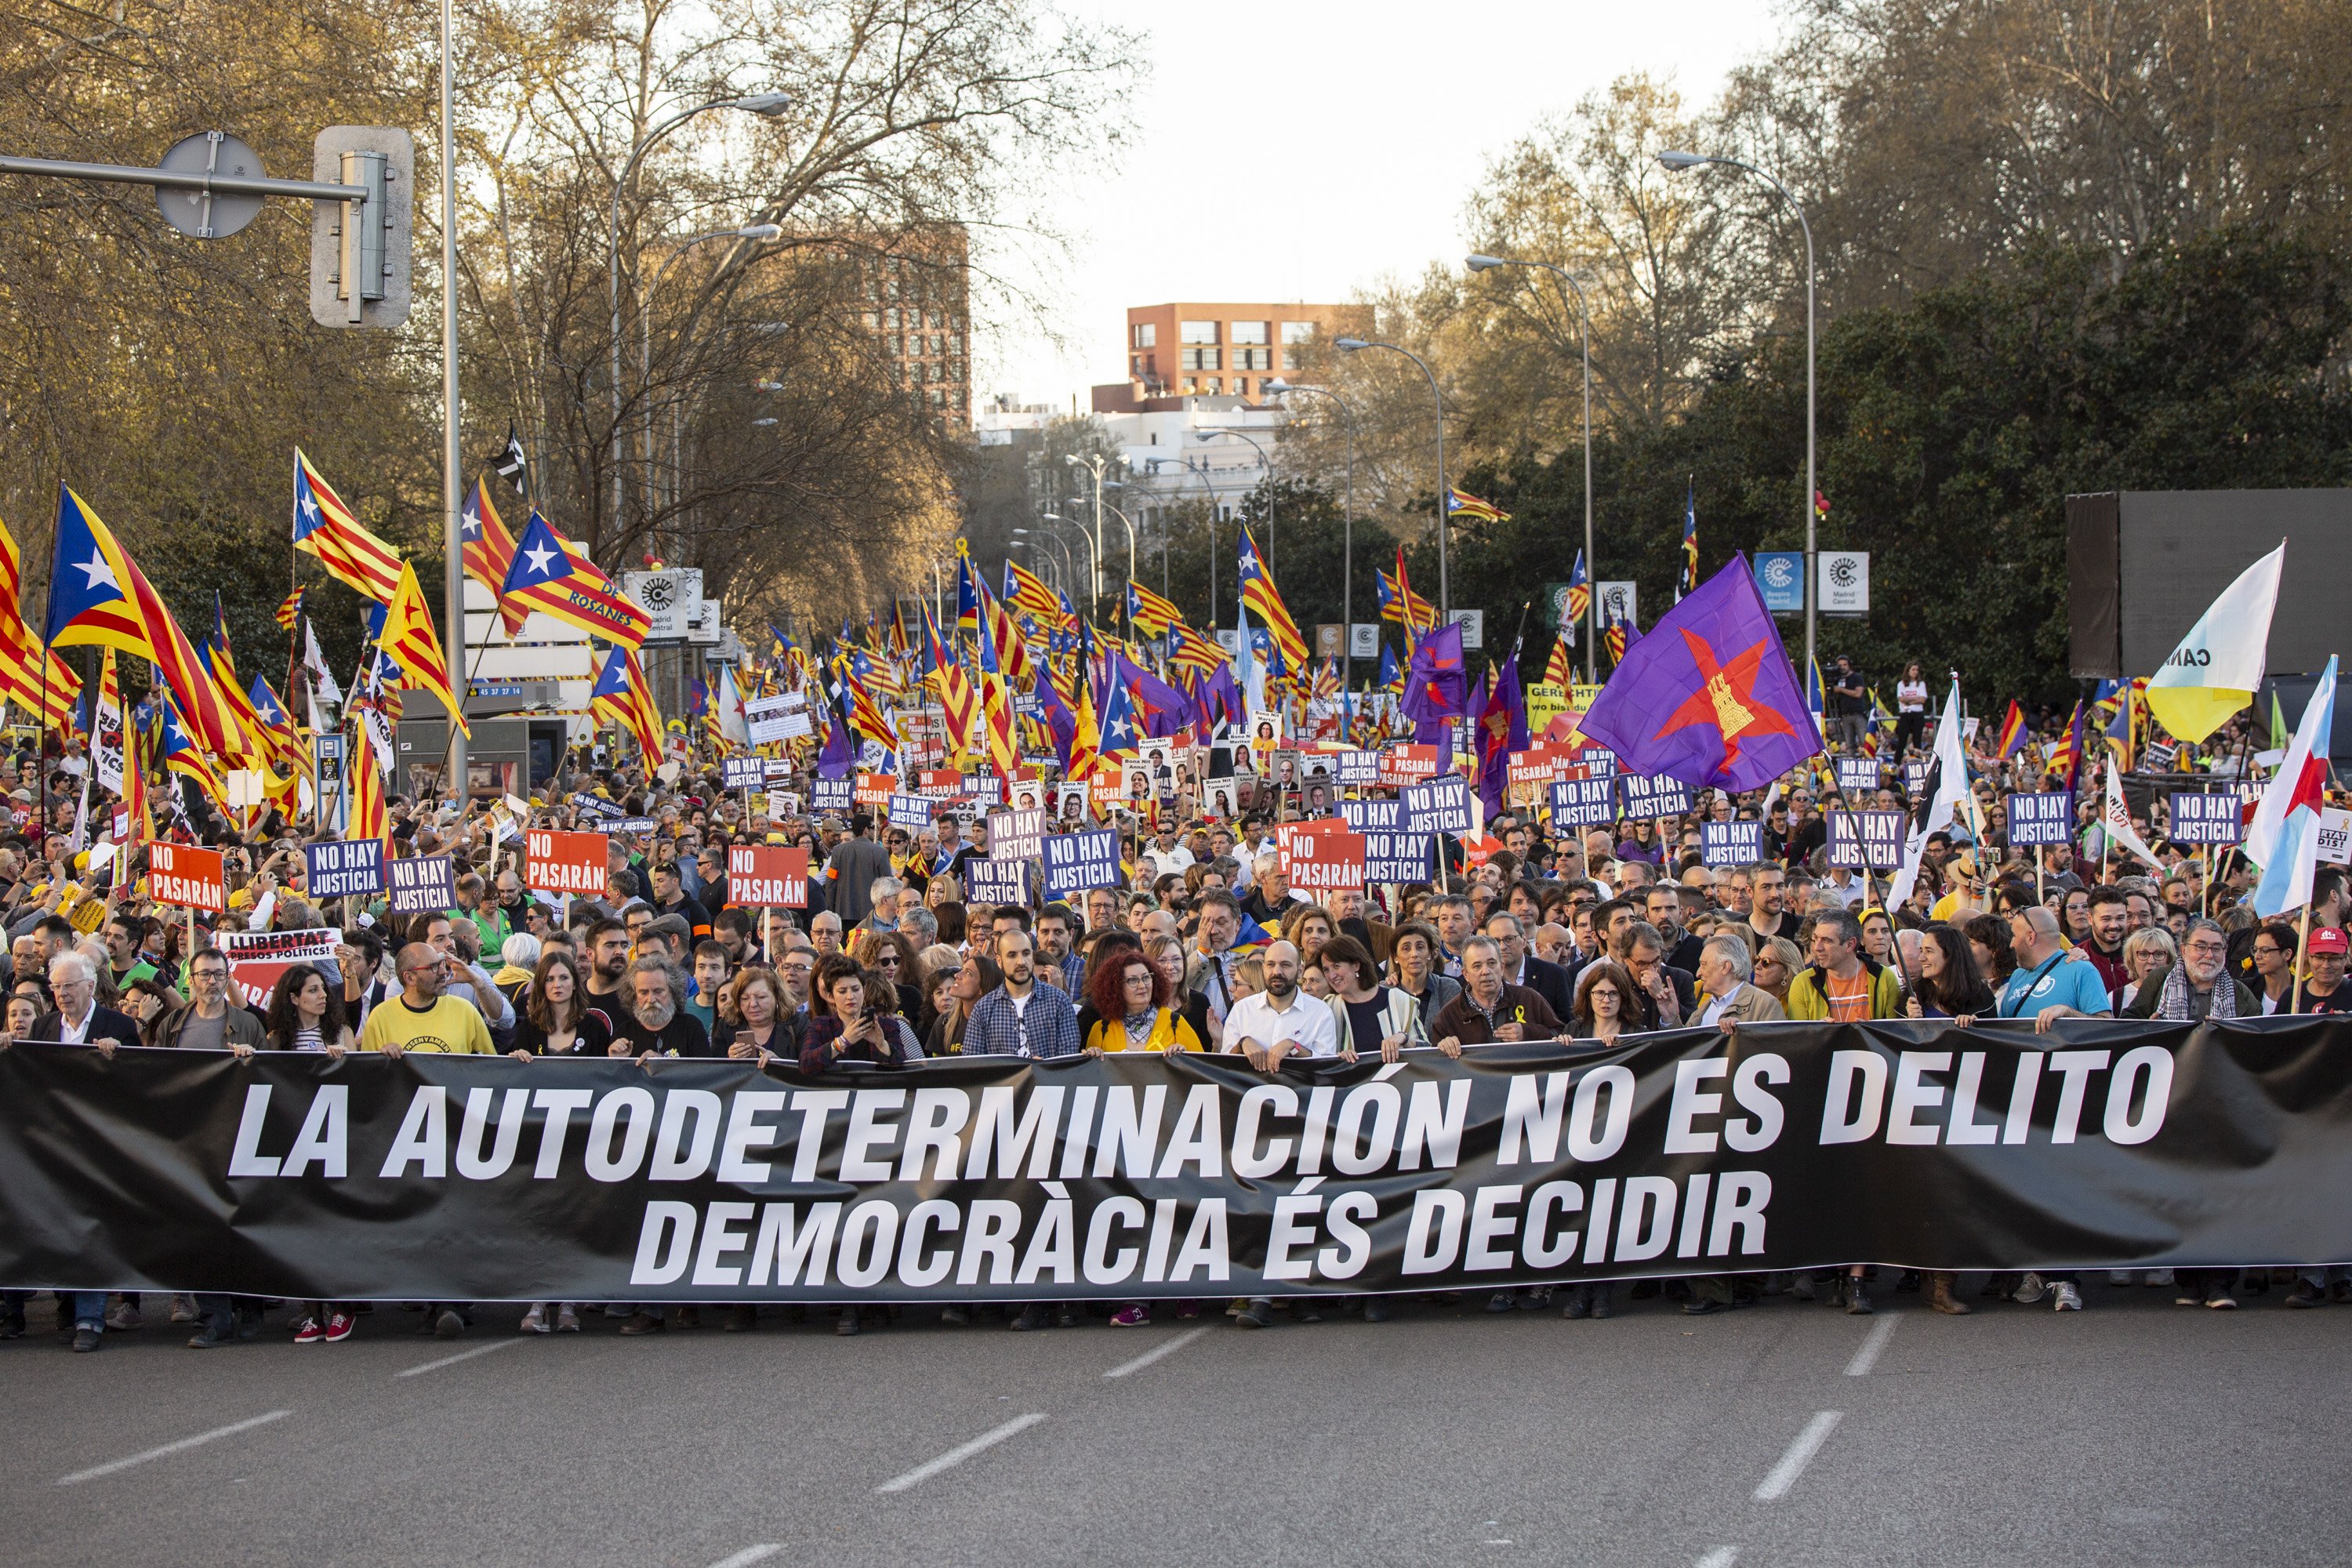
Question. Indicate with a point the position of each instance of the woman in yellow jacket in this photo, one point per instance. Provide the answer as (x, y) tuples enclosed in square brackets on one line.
[(1128, 1008)]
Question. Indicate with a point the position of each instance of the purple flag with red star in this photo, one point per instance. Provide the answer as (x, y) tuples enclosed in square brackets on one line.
[(1709, 697)]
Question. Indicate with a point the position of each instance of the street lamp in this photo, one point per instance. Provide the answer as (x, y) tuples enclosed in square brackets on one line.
[(1127, 608), (1264, 461), (1094, 556), (1592, 558), (1675, 163), (1281, 388), (1095, 464), (767, 104), (1444, 593)]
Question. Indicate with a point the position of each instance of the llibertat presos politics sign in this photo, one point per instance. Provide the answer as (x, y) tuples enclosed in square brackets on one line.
[(989, 1178)]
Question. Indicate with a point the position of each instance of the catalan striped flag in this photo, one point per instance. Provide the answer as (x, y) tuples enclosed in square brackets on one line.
[(1579, 597), (289, 609), (1458, 504), (1561, 670), (967, 590), (550, 574), (1260, 595), (221, 664), (2067, 756), (99, 598), (183, 756), (488, 554), (368, 818), (1152, 614), (47, 688), (1189, 649), (326, 528), (1399, 603), (995, 700), (621, 697), (1689, 580), (1027, 592), (957, 699), (408, 640)]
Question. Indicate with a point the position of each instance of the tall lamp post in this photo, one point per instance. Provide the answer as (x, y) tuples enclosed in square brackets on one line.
[(1592, 557), (1445, 592), (1675, 163), (1125, 608), (1281, 388), (1265, 461), (1094, 556), (1208, 491), (762, 103), (1094, 465)]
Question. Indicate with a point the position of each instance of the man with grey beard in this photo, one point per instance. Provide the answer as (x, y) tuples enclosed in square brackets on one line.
[(654, 1023)]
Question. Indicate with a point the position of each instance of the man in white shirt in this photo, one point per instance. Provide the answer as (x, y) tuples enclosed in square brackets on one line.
[(1280, 1020), (1168, 858)]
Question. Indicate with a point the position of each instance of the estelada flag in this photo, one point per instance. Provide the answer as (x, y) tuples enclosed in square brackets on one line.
[(99, 598), (488, 554), (547, 573), (39, 685), (326, 528)]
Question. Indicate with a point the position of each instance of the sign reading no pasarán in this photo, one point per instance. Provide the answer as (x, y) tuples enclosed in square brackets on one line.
[(563, 863), (189, 877)]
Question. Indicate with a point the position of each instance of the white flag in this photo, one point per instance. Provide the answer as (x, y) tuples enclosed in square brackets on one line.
[(1947, 786), (2214, 671), (2114, 820)]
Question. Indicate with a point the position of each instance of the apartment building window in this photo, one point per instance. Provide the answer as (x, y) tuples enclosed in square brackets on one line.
[(1198, 332), (1202, 359), (1252, 359), (1250, 332), (1146, 334), (1135, 367), (1296, 336)]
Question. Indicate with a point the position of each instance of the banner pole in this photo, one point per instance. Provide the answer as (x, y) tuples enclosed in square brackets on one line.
[(2303, 941)]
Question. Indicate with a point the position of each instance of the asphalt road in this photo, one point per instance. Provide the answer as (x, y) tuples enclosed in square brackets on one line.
[(2136, 1432)]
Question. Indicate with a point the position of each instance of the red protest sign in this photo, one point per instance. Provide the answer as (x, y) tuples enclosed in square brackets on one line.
[(183, 875), (760, 878), (1402, 765), (1318, 859), (938, 780), (257, 958), (563, 862), (1538, 764), (874, 789)]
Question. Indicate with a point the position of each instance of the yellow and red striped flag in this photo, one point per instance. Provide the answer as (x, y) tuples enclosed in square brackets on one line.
[(326, 528)]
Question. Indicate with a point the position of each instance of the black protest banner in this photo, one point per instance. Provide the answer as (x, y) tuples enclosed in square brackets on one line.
[(1799, 1145)]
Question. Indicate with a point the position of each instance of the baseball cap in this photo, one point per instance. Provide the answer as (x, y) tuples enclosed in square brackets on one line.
[(2328, 939)]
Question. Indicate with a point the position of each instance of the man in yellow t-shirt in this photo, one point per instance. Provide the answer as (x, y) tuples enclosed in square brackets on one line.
[(421, 1018)]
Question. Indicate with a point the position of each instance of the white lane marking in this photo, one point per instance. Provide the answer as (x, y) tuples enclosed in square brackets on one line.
[(749, 1556), (1719, 1557), (462, 1355), (182, 1447), (958, 1454), (1872, 1345), (1156, 1352), (1800, 1453)]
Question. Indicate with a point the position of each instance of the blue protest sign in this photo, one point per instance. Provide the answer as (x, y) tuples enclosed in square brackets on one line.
[(1730, 842), (1363, 815), (424, 885), (831, 795), (1441, 806), (2046, 817), (989, 882), (743, 772), (1583, 803), (1392, 854), (1079, 862), (342, 869), (2207, 818), (1654, 795), (1881, 836)]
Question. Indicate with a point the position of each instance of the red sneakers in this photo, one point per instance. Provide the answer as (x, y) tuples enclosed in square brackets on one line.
[(310, 1333), (339, 1327)]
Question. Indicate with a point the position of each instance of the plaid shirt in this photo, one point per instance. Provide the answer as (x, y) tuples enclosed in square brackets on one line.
[(1048, 1028)]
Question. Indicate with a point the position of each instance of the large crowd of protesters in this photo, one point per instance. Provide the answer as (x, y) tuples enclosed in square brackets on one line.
[(1584, 937)]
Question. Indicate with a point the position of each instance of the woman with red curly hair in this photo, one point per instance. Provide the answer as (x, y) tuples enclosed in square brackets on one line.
[(1126, 1008)]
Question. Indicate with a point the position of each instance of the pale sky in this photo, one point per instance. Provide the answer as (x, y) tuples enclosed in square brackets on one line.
[(1388, 115)]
